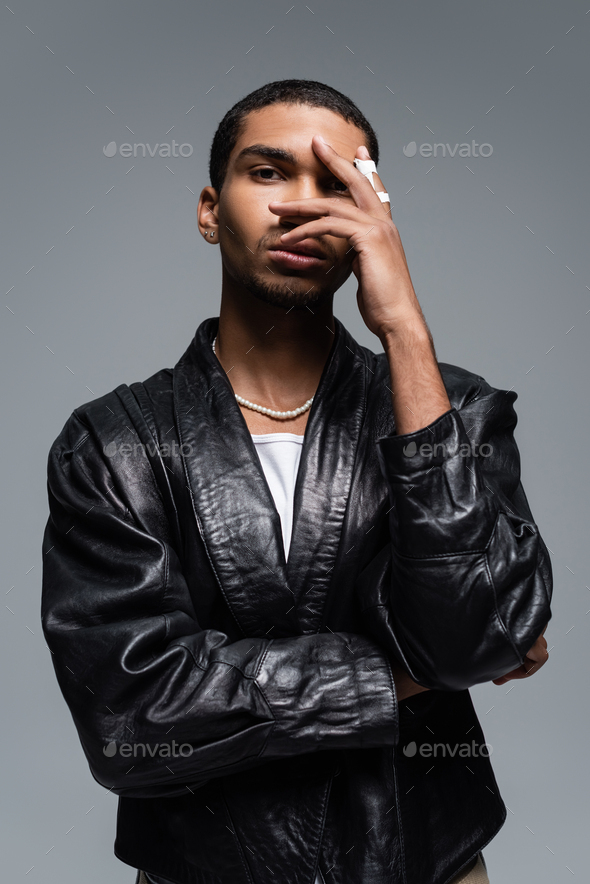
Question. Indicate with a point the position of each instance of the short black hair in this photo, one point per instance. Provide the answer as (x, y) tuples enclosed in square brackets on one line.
[(309, 92)]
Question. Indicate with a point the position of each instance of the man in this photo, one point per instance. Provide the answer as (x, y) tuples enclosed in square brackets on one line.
[(265, 646)]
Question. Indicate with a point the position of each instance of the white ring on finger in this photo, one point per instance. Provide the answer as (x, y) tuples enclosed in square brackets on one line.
[(366, 168)]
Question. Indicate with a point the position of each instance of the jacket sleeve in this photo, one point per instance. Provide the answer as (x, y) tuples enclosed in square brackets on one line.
[(140, 675), (463, 589)]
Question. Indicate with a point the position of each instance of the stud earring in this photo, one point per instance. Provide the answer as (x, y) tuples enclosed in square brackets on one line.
[(212, 234)]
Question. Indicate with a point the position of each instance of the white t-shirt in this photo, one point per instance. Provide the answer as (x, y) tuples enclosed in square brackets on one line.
[(279, 455)]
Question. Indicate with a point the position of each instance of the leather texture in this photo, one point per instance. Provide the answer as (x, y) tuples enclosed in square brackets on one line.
[(172, 615), (476, 873)]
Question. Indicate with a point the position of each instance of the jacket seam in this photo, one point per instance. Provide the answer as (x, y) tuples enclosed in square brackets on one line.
[(234, 832), (268, 704), (214, 663), (266, 700), (398, 813), (394, 700), (263, 657), (195, 661), (462, 552), (323, 828), (166, 576), (449, 555), (359, 704), (274, 722)]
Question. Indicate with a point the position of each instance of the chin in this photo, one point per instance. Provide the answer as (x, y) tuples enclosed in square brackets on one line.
[(294, 294)]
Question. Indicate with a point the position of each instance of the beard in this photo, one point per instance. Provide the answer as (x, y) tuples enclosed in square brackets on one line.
[(296, 292)]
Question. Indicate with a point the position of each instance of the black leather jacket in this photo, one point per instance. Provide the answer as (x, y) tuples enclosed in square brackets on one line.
[(174, 621)]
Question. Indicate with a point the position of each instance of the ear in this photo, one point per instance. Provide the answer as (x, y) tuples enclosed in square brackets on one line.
[(207, 214)]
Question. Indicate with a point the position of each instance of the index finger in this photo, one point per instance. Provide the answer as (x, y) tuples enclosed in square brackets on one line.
[(350, 175)]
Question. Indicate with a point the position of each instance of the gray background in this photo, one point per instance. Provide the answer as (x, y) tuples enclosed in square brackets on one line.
[(107, 279)]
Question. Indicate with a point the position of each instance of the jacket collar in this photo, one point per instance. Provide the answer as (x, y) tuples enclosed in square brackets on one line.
[(233, 505)]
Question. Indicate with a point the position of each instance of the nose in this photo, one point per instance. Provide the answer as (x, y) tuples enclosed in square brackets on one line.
[(301, 188)]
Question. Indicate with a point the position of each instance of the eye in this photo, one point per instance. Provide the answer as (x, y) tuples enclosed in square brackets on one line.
[(340, 186), (265, 173)]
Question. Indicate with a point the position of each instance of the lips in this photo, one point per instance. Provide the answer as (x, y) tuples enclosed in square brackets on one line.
[(306, 248), (292, 261)]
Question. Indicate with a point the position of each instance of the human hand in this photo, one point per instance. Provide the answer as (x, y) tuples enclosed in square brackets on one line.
[(535, 658), (385, 294)]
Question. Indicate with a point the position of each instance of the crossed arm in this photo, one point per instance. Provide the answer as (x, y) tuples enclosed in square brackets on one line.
[(418, 398), (134, 664)]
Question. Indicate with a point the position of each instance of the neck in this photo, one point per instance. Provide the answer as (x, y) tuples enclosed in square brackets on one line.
[(273, 356)]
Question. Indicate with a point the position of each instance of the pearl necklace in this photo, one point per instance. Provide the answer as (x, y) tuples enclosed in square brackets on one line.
[(269, 411)]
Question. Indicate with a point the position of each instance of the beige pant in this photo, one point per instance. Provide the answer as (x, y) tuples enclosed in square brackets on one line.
[(475, 875)]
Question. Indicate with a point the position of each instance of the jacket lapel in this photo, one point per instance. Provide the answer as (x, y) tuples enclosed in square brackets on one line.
[(325, 475), (233, 505)]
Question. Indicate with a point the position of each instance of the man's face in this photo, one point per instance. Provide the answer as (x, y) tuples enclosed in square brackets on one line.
[(249, 231)]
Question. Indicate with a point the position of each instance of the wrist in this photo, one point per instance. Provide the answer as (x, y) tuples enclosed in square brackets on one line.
[(411, 331)]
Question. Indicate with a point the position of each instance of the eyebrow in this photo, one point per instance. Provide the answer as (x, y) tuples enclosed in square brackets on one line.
[(271, 153)]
